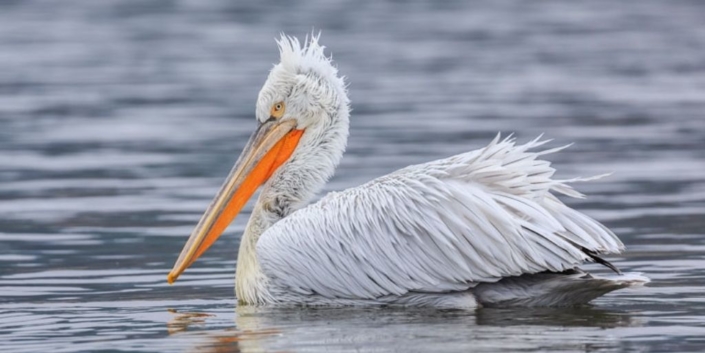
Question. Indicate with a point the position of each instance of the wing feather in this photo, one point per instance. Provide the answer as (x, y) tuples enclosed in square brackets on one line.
[(442, 226)]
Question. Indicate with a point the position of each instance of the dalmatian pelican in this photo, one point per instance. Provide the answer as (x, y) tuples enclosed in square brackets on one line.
[(481, 228)]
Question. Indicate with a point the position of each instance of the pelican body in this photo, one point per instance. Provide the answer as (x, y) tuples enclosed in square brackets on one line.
[(482, 228)]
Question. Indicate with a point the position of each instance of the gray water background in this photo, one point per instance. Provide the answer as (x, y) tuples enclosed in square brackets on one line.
[(120, 119)]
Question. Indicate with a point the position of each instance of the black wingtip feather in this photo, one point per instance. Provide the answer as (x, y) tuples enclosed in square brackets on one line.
[(601, 261)]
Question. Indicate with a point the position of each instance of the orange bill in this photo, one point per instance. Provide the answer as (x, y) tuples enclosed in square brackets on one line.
[(269, 147)]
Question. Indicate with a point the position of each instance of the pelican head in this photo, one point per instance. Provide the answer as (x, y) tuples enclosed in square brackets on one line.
[(302, 127)]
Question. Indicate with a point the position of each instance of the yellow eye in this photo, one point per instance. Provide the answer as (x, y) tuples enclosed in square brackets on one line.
[(277, 110)]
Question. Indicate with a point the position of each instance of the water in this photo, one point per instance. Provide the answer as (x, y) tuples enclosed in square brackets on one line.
[(119, 120)]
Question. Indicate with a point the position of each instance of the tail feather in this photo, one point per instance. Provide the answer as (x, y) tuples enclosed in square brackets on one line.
[(570, 288)]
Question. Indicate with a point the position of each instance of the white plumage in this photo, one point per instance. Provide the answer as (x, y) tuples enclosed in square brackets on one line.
[(480, 228), (443, 226)]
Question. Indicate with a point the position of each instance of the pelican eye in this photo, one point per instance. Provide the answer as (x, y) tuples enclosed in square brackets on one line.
[(277, 110)]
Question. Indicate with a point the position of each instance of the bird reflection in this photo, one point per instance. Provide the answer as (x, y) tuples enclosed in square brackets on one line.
[(243, 337), (181, 321), (258, 329), (584, 316)]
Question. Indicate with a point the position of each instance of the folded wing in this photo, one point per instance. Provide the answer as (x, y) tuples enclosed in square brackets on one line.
[(442, 226)]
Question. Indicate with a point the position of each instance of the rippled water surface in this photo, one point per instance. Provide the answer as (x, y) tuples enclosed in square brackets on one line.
[(119, 120)]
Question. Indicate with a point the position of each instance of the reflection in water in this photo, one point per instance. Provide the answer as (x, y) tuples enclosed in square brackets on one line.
[(243, 337), (585, 316), (265, 329), (181, 321)]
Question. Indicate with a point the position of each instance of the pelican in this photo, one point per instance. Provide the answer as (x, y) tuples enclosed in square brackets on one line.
[(481, 228)]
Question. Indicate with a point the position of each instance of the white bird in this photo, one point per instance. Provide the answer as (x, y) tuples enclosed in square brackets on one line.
[(482, 228)]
